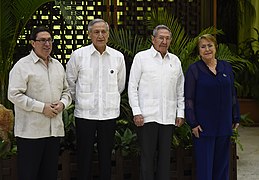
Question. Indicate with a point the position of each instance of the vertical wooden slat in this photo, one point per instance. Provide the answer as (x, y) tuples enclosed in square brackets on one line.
[(215, 14), (115, 17), (108, 11)]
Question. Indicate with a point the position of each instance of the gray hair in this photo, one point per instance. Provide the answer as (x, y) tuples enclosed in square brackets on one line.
[(91, 23), (161, 26)]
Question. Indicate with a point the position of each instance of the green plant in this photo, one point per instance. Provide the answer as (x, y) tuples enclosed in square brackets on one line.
[(183, 46), (235, 139), (245, 120), (126, 142), (182, 137), (69, 141), (13, 18), (248, 78), (7, 148)]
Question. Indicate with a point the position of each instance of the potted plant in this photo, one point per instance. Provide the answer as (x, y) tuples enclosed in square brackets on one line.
[(248, 78), (7, 144)]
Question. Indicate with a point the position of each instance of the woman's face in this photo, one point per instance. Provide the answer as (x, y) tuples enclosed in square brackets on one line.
[(207, 49)]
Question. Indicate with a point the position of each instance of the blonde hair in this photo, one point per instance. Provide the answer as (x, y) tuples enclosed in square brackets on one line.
[(208, 37)]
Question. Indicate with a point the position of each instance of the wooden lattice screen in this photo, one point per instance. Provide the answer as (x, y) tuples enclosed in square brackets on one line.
[(127, 14)]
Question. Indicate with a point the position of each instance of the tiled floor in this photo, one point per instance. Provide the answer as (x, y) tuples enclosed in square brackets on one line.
[(248, 162)]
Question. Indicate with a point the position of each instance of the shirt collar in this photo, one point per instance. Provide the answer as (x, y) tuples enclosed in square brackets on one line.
[(36, 58), (156, 53), (94, 50)]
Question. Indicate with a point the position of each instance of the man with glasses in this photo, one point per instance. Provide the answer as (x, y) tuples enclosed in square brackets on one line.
[(156, 87), (39, 91), (96, 77)]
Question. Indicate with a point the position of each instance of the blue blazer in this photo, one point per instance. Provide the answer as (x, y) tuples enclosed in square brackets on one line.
[(210, 100)]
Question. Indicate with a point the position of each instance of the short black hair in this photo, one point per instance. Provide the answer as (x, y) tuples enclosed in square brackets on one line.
[(39, 29)]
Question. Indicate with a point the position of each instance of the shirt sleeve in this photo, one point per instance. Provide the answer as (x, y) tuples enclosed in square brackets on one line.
[(189, 93), (66, 96), (71, 75), (180, 94), (16, 90), (134, 78), (122, 75)]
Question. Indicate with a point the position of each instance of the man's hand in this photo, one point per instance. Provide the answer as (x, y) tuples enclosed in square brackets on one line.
[(138, 120), (59, 106), (179, 121), (49, 110)]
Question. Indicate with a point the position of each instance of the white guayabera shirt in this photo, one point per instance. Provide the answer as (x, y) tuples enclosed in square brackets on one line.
[(31, 85), (96, 81), (156, 87)]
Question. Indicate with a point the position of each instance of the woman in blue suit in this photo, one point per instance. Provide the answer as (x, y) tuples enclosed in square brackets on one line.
[(212, 110)]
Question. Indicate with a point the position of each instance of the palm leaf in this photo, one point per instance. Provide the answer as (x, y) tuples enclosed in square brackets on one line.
[(237, 63), (189, 54), (14, 16), (69, 11), (179, 36), (124, 41)]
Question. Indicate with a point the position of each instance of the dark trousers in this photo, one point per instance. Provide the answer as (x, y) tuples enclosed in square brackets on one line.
[(38, 158), (212, 157), (155, 146), (88, 132)]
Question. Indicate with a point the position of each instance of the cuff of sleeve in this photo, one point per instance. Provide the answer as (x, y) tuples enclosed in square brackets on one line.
[(65, 103), (38, 106), (237, 120), (193, 125), (180, 113), (136, 111)]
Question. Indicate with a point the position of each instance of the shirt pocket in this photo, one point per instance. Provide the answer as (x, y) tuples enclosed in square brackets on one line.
[(112, 80), (85, 79), (86, 101), (112, 100), (150, 107), (171, 109)]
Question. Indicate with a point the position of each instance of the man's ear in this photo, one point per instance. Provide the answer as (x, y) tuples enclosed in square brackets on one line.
[(152, 39), (32, 43)]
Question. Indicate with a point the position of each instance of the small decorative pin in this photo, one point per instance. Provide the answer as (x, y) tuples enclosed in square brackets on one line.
[(112, 71), (224, 75)]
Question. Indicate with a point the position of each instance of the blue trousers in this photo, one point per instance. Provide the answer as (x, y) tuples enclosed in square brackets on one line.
[(212, 157)]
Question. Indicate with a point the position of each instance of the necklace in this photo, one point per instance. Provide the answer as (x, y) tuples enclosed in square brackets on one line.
[(212, 66)]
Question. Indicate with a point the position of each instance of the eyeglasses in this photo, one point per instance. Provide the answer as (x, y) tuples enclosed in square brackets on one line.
[(44, 41)]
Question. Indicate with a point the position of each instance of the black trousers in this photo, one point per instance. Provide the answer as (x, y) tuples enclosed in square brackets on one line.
[(155, 146), (88, 132), (38, 158)]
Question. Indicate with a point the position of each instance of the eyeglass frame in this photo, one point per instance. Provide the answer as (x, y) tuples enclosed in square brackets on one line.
[(44, 41)]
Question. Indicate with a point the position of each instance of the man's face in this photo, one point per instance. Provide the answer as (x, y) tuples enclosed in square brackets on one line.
[(99, 35), (161, 41), (42, 45)]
